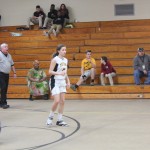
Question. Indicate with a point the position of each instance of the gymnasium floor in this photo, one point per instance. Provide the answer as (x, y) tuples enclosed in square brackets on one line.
[(93, 125)]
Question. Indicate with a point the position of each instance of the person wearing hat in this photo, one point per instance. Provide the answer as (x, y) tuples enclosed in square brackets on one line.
[(141, 64)]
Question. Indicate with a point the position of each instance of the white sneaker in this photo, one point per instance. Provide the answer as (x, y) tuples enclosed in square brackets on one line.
[(62, 123), (54, 32), (49, 121), (45, 33)]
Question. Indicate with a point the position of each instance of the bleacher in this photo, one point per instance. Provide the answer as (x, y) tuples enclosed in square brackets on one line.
[(118, 40)]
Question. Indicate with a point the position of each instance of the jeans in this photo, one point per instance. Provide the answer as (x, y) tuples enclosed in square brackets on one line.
[(139, 74)]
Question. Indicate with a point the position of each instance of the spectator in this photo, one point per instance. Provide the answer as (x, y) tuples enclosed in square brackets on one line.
[(141, 64), (37, 18), (107, 70), (57, 25), (52, 14), (88, 67), (64, 13), (6, 65), (37, 81)]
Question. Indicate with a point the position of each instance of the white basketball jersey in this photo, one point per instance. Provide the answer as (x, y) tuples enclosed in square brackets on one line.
[(61, 65)]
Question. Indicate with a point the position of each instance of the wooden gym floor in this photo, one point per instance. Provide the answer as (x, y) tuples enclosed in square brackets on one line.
[(93, 124)]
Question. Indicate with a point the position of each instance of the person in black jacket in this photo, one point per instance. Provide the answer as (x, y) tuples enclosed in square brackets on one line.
[(50, 16), (57, 25), (37, 18), (64, 13)]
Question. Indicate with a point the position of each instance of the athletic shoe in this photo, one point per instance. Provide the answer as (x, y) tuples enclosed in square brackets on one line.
[(61, 123), (5, 106), (26, 28), (44, 28), (46, 33), (49, 121), (54, 32), (73, 87), (30, 98), (45, 97), (1, 105)]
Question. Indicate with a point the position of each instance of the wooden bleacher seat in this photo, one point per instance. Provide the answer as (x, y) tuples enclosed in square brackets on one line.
[(37, 44), (86, 24), (120, 35), (119, 79), (118, 40), (41, 37), (121, 23), (79, 30), (75, 64), (46, 50), (114, 48), (81, 36), (110, 55), (124, 29), (76, 71), (44, 57), (88, 92)]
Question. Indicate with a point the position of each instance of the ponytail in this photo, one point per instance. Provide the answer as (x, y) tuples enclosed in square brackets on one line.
[(55, 54), (58, 49)]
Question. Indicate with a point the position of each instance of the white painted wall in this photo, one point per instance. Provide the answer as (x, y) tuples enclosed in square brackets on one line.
[(16, 12)]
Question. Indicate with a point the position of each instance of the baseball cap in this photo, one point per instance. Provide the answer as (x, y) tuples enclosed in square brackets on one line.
[(140, 49)]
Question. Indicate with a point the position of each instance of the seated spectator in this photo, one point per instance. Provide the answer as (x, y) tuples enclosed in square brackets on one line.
[(64, 13), (57, 25), (37, 81), (51, 15), (37, 18), (107, 70), (141, 64), (88, 67)]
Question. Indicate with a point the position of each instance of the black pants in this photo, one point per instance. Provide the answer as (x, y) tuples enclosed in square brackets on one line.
[(4, 80)]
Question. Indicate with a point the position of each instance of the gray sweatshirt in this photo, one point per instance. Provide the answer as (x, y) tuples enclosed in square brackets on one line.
[(140, 61)]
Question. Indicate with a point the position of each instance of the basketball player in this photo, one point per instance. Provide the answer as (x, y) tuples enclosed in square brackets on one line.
[(58, 82)]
